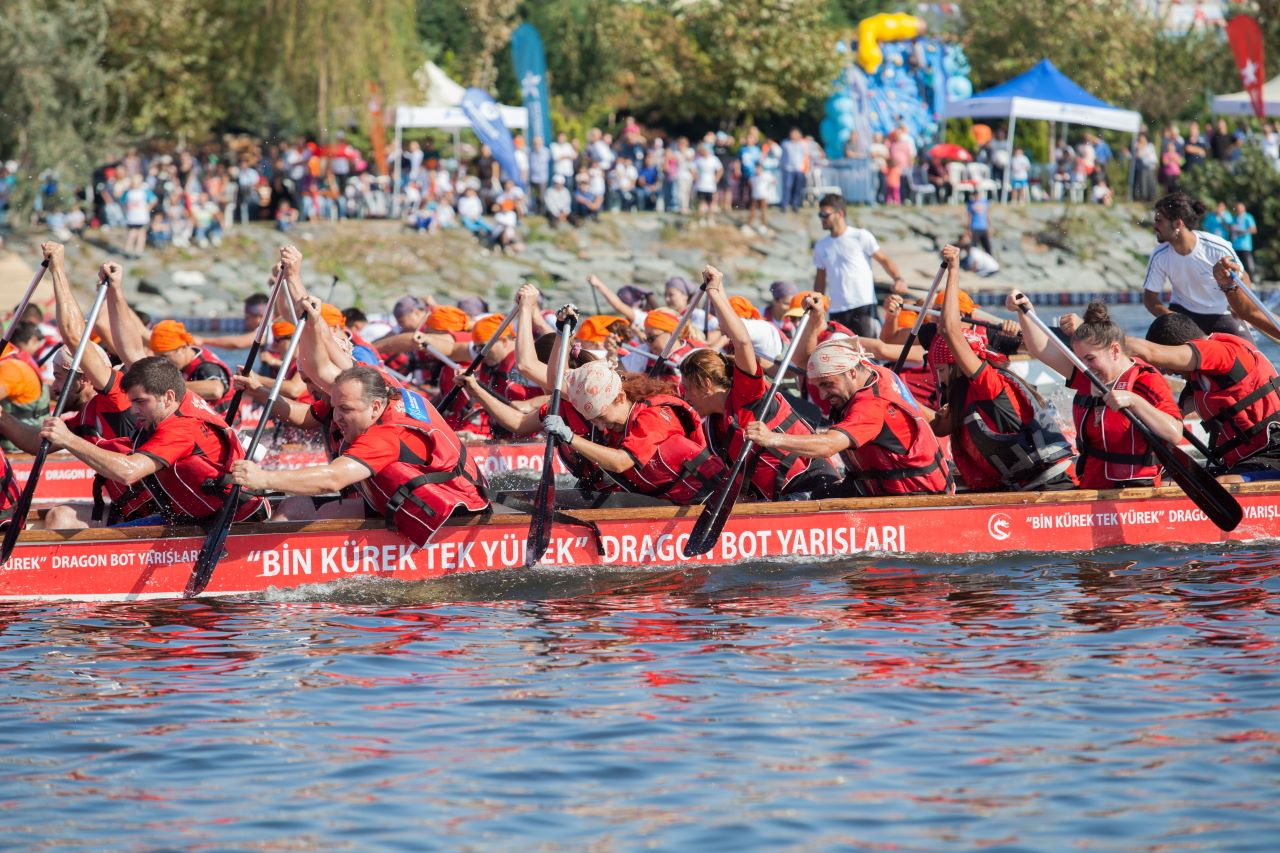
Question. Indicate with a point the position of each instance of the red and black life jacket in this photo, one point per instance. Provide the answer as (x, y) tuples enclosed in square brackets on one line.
[(205, 356), (1237, 407), (464, 414), (903, 460), (1026, 455), (92, 422), (9, 493), (1118, 450), (772, 470), (416, 496), (684, 470), (190, 490)]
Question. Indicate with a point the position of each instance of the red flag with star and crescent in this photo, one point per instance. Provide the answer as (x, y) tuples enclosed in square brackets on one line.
[(1245, 37)]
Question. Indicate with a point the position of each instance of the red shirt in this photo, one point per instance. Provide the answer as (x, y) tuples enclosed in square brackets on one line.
[(107, 414), (647, 428), (988, 384), (382, 444), (177, 438)]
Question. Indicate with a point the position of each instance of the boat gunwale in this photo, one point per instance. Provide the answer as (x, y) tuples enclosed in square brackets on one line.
[(655, 513)]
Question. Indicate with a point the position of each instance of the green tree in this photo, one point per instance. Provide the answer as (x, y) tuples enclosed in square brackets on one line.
[(1253, 180), (54, 107)]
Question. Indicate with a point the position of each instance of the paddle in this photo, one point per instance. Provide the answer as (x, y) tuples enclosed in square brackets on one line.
[(707, 529), (672, 341), (22, 306), (233, 408), (544, 499), (915, 327), (211, 550), (23, 506), (1206, 492), (478, 360)]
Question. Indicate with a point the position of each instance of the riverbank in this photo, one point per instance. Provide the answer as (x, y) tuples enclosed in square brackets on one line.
[(1045, 249)]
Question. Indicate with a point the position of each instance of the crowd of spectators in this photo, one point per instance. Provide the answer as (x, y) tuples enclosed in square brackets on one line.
[(191, 197), (1164, 161)]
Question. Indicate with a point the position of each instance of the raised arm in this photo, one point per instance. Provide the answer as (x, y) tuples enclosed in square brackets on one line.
[(1037, 342), (615, 302), (817, 324), (71, 319), (128, 333), (744, 353), (527, 362), (950, 326)]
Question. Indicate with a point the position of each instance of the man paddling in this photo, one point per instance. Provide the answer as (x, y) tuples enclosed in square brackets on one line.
[(880, 431), (172, 471), (407, 463)]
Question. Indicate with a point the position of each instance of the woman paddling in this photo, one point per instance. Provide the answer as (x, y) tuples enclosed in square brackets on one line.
[(1003, 437), (651, 441), (726, 394), (1112, 452)]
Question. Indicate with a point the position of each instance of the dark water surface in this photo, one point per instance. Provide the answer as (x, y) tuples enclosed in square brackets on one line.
[(1128, 702)]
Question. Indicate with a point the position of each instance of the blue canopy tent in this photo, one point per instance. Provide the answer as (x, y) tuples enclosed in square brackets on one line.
[(1044, 93)]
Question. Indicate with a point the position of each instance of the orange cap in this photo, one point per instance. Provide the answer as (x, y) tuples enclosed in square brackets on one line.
[(169, 335), (595, 329), (743, 308), (283, 329), (486, 326), (446, 318), (797, 303), (662, 320), (332, 316)]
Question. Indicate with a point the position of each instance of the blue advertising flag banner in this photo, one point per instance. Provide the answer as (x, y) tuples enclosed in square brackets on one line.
[(486, 120), (530, 60)]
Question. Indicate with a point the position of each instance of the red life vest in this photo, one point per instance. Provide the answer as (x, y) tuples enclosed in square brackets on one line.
[(684, 470), (92, 422), (191, 489), (772, 471), (203, 357), (1237, 407), (464, 414), (1111, 449), (9, 493), (901, 460), (997, 448), (416, 496)]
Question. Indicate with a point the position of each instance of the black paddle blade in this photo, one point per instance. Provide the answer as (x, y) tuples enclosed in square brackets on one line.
[(211, 550), (710, 524), (544, 500), (1205, 491)]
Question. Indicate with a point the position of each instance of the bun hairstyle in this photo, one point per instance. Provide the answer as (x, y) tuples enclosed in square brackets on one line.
[(1180, 206), (1098, 329), (707, 369)]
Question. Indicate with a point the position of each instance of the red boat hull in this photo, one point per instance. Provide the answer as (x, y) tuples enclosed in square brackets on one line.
[(155, 563)]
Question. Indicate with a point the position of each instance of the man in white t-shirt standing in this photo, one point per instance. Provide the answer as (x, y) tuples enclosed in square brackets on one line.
[(1185, 259), (707, 169), (843, 260)]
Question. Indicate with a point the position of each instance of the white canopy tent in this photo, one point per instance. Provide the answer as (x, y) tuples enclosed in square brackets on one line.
[(1239, 104), (442, 112), (1044, 93)]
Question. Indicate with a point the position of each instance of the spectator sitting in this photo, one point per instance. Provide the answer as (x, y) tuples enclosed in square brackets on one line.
[(159, 235), (622, 185), (1102, 193), (286, 216), (471, 212), (586, 204), (973, 259), (557, 203)]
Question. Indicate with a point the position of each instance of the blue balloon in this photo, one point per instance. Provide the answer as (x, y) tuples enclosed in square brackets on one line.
[(959, 88), (841, 105)]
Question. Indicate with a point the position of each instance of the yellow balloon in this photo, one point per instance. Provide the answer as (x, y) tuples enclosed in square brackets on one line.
[(884, 27)]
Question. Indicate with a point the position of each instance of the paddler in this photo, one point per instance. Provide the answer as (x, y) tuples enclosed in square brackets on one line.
[(726, 392), (498, 371), (879, 430), (173, 470), (1113, 454), (1003, 437), (650, 442), (1230, 383), (397, 451), (659, 325), (206, 375)]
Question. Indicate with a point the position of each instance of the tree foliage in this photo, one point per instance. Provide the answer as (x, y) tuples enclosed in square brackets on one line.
[(1253, 180)]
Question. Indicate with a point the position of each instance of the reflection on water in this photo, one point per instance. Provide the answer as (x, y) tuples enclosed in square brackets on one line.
[(1124, 702)]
